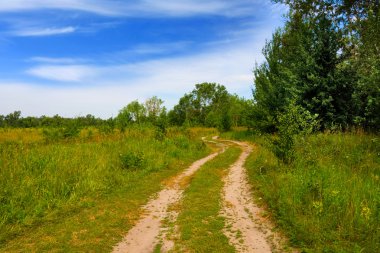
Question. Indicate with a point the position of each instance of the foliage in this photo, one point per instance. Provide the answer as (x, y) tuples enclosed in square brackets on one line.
[(296, 121), (326, 60), (154, 108), (132, 160), (15, 120), (210, 105), (72, 130), (138, 113), (161, 124)]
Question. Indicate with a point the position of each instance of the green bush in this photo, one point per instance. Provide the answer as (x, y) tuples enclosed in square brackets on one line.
[(294, 122), (133, 160)]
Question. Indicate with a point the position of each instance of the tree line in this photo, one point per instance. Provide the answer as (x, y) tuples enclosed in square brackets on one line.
[(15, 120), (209, 104)]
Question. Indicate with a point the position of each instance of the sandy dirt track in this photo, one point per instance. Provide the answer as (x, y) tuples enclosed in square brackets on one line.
[(245, 227), (241, 214), (148, 231)]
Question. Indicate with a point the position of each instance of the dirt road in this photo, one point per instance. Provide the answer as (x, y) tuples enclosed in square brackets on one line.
[(148, 231), (246, 230)]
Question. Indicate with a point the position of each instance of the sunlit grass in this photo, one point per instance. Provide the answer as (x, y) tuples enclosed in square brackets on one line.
[(50, 189)]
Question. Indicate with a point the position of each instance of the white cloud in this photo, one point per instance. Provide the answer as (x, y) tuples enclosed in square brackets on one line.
[(139, 7), (26, 32), (103, 90), (51, 60), (100, 7), (69, 73)]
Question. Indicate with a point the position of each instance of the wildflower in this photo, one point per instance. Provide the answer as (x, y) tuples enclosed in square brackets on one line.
[(318, 207), (334, 193), (365, 212)]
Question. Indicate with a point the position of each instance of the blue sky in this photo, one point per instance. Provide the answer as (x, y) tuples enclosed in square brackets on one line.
[(75, 57)]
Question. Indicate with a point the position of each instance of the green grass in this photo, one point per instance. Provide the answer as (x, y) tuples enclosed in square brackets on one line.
[(200, 225), (328, 199), (76, 195)]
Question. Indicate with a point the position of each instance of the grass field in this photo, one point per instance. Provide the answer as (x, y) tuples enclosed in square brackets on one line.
[(83, 193), (328, 199)]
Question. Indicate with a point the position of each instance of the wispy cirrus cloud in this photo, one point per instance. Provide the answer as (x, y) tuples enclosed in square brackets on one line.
[(101, 7), (137, 8), (36, 32), (52, 60)]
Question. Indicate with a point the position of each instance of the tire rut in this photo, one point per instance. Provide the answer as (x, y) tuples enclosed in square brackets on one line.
[(245, 228), (148, 231)]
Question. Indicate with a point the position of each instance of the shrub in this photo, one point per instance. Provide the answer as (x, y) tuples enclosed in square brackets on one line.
[(295, 121), (132, 160), (52, 134)]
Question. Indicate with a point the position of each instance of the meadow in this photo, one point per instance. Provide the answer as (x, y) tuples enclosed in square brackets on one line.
[(328, 198), (84, 193), (78, 193)]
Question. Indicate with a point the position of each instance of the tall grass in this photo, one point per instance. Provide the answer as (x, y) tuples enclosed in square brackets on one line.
[(40, 178), (328, 199)]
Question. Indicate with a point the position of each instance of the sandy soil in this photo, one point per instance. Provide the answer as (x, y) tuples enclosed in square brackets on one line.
[(245, 227), (148, 231)]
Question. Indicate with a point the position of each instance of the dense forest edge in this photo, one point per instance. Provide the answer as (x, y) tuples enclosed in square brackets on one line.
[(314, 116)]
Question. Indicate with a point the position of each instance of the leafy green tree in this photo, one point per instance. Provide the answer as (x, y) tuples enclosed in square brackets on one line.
[(153, 108), (342, 83), (308, 62), (207, 105), (367, 63), (295, 121), (161, 125), (13, 119), (124, 118), (136, 111), (181, 112), (2, 121), (240, 109)]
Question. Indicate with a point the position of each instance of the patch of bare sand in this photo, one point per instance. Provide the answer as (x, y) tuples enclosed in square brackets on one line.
[(245, 228), (148, 232)]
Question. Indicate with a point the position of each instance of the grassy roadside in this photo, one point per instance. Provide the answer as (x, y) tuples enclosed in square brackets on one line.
[(200, 225), (84, 195), (328, 199)]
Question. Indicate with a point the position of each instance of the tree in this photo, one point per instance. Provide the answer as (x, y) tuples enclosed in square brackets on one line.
[(154, 108), (367, 64), (207, 105), (12, 119), (136, 111), (344, 89), (311, 61), (124, 118), (182, 112), (240, 109)]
